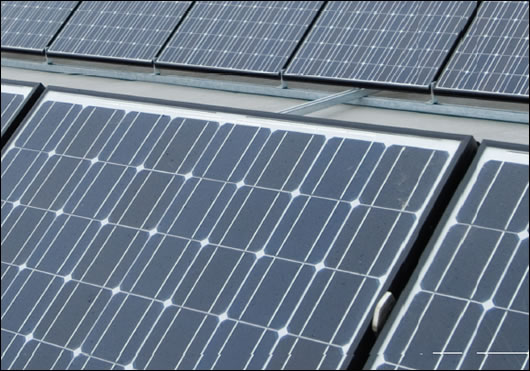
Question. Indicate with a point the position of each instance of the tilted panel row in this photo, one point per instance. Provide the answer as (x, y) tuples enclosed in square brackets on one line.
[(477, 50)]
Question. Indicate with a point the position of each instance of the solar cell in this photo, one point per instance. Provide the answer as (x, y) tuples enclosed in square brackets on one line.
[(244, 36), (148, 234), (401, 43), (492, 59), (17, 97), (31, 25), (130, 30), (467, 306), (11, 103)]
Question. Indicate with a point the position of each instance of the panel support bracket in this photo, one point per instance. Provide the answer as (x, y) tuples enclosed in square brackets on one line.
[(434, 98), (156, 71), (283, 83), (48, 60)]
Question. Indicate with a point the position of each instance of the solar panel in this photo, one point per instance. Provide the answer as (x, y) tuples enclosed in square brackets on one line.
[(31, 25), (467, 306), (244, 36), (17, 96), (492, 58), (402, 43), (149, 234), (131, 30)]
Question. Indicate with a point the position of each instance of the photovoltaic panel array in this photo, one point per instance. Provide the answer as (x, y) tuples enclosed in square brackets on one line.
[(131, 30), (15, 97), (381, 42), (148, 235), (249, 36), (493, 56), (31, 25), (467, 307)]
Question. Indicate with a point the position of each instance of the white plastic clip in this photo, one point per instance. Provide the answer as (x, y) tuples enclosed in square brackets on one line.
[(382, 310)]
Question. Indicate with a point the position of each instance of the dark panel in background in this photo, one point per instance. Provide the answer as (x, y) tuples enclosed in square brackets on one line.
[(492, 59), (31, 25), (128, 30), (244, 36), (386, 43)]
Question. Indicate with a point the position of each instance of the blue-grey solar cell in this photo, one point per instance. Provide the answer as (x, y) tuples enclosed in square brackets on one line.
[(493, 56), (11, 103), (133, 30), (31, 25), (250, 36), (468, 306), (165, 237), (390, 42), (15, 97)]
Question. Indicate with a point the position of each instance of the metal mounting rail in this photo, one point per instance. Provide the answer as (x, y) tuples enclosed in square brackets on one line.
[(328, 101), (303, 94)]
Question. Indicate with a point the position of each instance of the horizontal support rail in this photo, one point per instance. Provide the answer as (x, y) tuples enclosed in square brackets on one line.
[(302, 94)]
